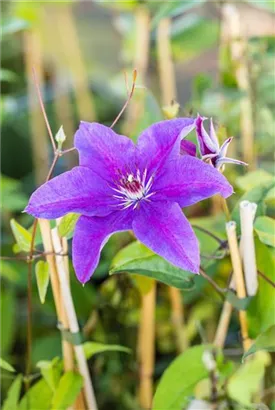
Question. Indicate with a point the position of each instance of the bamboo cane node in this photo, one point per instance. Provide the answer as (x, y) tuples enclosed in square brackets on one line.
[(75, 338)]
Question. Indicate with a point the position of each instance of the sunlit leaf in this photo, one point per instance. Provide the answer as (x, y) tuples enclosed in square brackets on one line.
[(252, 179), (265, 341), (246, 380), (51, 371), (13, 394), (22, 236), (92, 348), (5, 365), (67, 390), (39, 397), (67, 225), (42, 279), (138, 259), (8, 271), (265, 228), (179, 379)]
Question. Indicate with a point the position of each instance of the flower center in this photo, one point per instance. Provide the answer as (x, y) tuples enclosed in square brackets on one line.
[(133, 188)]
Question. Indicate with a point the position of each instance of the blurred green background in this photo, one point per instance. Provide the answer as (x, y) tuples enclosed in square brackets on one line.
[(210, 57)]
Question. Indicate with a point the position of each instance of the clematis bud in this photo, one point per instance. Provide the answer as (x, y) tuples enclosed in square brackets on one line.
[(209, 146), (60, 137)]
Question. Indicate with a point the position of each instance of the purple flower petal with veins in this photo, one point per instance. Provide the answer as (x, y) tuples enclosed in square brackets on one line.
[(122, 186), (210, 149)]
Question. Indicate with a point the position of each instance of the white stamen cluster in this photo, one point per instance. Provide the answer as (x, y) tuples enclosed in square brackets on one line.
[(133, 188)]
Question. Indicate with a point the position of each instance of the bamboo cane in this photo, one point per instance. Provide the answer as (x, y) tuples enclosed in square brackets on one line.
[(72, 319), (66, 26), (147, 348), (238, 45), (61, 314), (165, 63), (239, 279), (33, 58)]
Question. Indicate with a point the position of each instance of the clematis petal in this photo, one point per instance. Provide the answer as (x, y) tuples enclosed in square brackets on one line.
[(225, 160), (79, 190), (104, 151), (224, 147), (213, 135), (188, 148), (206, 144), (91, 234), (189, 180), (163, 228), (161, 141)]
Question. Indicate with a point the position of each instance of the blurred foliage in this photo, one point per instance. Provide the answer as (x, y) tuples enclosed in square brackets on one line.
[(108, 307)]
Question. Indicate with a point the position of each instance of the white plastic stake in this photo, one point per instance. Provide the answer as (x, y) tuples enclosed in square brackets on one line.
[(247, 246)]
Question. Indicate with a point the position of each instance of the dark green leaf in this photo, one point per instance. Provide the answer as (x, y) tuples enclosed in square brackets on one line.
[(180, 378), (137, 259), (67, 390), (265, 341)]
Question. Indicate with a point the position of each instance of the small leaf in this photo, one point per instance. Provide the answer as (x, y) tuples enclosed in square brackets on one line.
[(180, 379), (42, 279), (5, 365), (38, 397), (22, 236), (246, 380), (240, 304), (137, 259), (67, 225), (252, 179), (265, 228), (51, 371), (13, 394), (265, 341), (92, 348), (67, 390)]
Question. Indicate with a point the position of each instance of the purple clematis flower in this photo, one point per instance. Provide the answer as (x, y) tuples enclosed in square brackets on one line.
[(121, 186), (210, 148)]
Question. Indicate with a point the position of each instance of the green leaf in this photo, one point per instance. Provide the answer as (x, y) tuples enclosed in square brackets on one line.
[(252, 179), (5, 365), (8, 327), (8, 271), (13, 395), (12, 198), (38, 397), (240, 304), (137, 259), (42, 279), (67, 390), (257, 195), (265, 228), (67, 225), (22, 236), (51, 371), (180, 378), (265, 341), (246, 381), (270, 197), (92, 348), (261, 309)]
